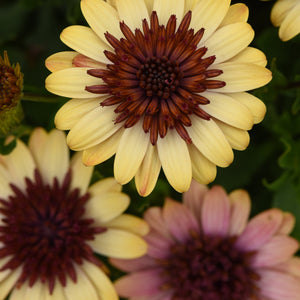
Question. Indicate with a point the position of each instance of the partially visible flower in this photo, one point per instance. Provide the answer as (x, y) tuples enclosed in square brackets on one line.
[(161, 84), (11, 86), (206, 249), (286, 15), (51, 223)]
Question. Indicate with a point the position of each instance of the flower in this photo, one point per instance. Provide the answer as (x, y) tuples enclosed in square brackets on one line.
[(160, 84), (205, 248), (51, 222), (286, 15), (11, 86)]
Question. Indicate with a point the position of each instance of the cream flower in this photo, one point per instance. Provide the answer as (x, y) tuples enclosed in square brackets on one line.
[(51, 222), (159, 83)]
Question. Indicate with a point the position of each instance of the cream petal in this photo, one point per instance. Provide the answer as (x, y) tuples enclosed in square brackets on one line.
[(82, 289), (107, 206), (72, 83), (228, 110), (149, 4), (108, 22), (9, 282), (290, 26), (57, 294), (215, 213), (255, 105), (131, 152), (203, 170), (132, 12), (54, 160), (189, 5), (3, 262), (104, 186), (240, 77), (250, 55), (60, 60), (84, 40), (165, 9), (238, 138), (25, 292), (129, 223), (119, 244), (95, 127), (175, 159), (288, 223), (4, 183), (148, 172), (280, 11), (103, 151), (81, 175), (208, 14), (239, 211), (72, 111), (238, 12), (228, 41), (210, 141)]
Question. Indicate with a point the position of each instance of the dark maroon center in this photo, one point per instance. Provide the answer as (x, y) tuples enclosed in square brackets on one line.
[(210, 268), (45, 232)]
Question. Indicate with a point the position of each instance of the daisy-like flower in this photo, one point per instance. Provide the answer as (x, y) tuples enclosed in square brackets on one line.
[(285, 14), (207, 249), (51, 223), (159, 83)]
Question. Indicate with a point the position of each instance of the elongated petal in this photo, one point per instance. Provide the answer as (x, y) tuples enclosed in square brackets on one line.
[(60, 60), (175, 159), (189, 5), (290, 26), (210, 141), (291, 266), (72, 111), (4, 182), (95, 127), (8, 283), (130, 155), (238, 12), (288, 223), (165, 9), (72, 83), (240, 77), (58, 293), (25, 292), (103, 186), (228, 110), (108, 22), (280, 11), (132, 12), (215, 212), (106, 207), (158, 246), (147, 174), (119, 244), (250, 55), (229, 40), (141, 263)]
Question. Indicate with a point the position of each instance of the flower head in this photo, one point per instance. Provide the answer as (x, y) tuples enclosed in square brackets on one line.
[(11, 86), (52, 223), (160, 84), (207, 249)]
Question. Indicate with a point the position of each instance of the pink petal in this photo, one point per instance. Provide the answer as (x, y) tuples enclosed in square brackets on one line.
[(279, 286), (260, 229), (276, 250), (288, 224), (291, 266), (193, 198), (165, 295), (143, 283), (216, 212), (240, 210), (179, 220), (137, 264), (158, 246)]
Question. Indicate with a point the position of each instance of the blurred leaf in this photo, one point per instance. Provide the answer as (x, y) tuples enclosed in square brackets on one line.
[(7, 148)]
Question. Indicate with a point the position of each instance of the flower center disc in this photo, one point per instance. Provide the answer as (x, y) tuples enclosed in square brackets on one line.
[(158, 76)]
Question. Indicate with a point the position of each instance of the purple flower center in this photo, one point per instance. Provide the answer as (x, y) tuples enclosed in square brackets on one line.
[(157, 75), (210, 268), (45, 232)]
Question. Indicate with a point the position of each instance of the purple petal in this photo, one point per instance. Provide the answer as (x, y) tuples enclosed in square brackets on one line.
[(137, 264)]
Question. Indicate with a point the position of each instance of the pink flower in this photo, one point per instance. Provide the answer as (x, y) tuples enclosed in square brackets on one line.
[(206, 248)]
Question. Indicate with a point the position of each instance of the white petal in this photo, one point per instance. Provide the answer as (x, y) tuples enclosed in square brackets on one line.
[(229, 40), (132, 12), (8, 283), (130, 154), (210, 141), (83, 40), (165, 9), (290, 26), (238, 12), (95, 127), (175, 159), (250, 55), (60, 60), (72, 111), (72, 83), (148, 172), (25, 292), (101, 17), (104, 185)]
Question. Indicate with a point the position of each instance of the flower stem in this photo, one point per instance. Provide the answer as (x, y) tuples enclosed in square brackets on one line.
[(41, 98)]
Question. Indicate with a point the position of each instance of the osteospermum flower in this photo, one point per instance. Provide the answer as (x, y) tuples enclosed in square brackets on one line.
[(286, 15), (207, 249), (160, 84), (51, 223)]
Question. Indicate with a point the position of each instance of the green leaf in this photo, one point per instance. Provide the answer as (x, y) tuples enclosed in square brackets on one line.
[(7, 148)]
